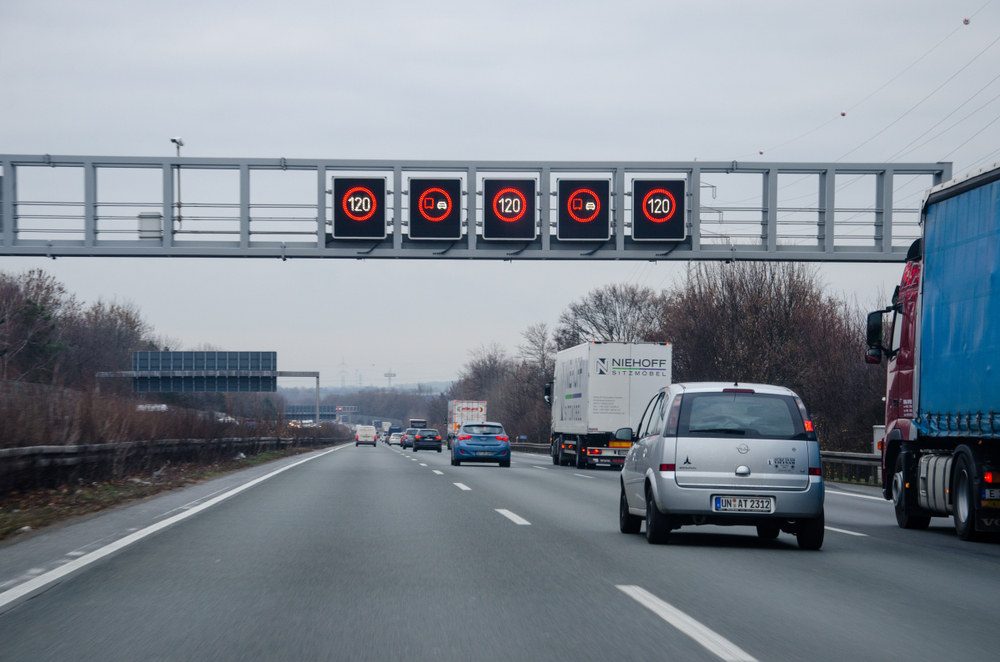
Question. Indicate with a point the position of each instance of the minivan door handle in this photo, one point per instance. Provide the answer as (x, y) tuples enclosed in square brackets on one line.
[(742, 470)]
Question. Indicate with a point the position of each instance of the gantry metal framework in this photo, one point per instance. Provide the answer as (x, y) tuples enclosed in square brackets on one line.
[(80, 219)]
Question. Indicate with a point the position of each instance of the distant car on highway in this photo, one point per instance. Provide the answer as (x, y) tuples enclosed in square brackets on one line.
[(724, 454), (406, 441), (427, 439), (481, 442), (365, 434), (394, 439)]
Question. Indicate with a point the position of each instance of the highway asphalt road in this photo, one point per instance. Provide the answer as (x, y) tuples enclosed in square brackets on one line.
[(381, 554)]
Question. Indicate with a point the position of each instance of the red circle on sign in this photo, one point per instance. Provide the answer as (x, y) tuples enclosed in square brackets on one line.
[(597, 205), (496, 199), (371, 196), (659, 219), (423, 196)]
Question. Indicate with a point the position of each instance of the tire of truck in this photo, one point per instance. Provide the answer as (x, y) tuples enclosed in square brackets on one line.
[(657, 524), (810, 532), (627, 522), (554, 452), (965, 499), (904, 521), (768, 531)]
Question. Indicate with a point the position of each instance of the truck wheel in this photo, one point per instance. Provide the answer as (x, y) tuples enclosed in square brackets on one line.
[(965, 500), (657, 524), (554, 452), (627, 522), (810, 532), (899, 500), (768, 531)]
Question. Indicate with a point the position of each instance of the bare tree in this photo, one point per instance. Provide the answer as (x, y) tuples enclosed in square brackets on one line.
[(33, 305), (613, 313)]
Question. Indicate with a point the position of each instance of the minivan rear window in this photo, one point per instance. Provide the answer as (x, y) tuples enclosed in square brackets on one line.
[(741, 416), (482, 429)]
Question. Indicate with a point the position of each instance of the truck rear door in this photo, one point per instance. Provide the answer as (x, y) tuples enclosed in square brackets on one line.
[(741, 439)]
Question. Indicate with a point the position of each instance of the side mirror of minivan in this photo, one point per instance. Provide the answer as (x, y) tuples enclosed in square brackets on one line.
[(623, 434)]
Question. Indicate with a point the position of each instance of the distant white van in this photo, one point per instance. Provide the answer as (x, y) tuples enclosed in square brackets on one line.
[(365, 434)]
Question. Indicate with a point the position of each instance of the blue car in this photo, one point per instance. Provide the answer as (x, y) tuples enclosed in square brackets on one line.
[(481, 442)]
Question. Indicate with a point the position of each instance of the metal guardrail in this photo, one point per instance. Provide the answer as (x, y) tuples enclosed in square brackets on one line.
[(845, 467), (852, 467)]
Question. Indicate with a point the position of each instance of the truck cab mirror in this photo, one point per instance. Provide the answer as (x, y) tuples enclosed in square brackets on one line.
[(548, 393), (873, 355), (875, 329), (623, 434)]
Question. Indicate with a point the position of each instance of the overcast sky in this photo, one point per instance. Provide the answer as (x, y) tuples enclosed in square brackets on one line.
[(467, 80)]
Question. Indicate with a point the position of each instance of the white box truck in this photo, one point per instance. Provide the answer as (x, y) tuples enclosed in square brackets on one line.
[(461, 412), (598, 388)]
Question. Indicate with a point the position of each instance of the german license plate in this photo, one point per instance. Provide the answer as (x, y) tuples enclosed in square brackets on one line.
[(732, 504), (484, 453), (991, 494)]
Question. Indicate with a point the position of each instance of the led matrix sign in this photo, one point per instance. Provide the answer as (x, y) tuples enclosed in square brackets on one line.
[(509, 209), (435, 209), (658, 210), (359, 208), (584, 210)]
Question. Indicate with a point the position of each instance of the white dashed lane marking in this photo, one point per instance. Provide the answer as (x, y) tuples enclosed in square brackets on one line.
[(708, 638), (439, 473), (516, 519), (463, 486), (850, 533)]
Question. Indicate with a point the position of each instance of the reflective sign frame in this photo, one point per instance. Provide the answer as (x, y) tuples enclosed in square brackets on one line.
[(575, 215), (352, 217), (435, 190), (509, 205), (657, 223)]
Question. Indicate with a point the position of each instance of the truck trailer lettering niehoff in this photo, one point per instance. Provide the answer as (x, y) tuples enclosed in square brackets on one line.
[(941, 453), (598, 388)]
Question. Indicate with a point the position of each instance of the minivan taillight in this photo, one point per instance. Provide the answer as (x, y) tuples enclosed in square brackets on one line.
[(815, 471), (668, 467)]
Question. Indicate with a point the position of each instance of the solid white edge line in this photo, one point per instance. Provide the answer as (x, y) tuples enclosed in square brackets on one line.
[(850, 533), (708, 638), (856, 496), (463, 486), (516, 519), (26, 590)]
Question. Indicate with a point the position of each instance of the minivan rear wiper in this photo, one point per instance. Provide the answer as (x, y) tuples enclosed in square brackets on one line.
[(722, 430)]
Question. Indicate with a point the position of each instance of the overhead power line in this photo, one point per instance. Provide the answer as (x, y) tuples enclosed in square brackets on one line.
[(919, 103)]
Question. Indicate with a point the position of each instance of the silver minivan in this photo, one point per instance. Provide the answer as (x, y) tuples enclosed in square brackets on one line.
[(724, 454)]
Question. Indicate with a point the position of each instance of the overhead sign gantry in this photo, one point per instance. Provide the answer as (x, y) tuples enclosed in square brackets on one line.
[(497, 210)]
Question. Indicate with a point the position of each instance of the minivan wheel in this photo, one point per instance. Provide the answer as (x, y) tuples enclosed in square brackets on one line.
[(810, 532), (657, 524), (627, 522), (768, 531), (965, 509)]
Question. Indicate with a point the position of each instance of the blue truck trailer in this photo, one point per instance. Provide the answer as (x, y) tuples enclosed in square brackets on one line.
[(941, 453)]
